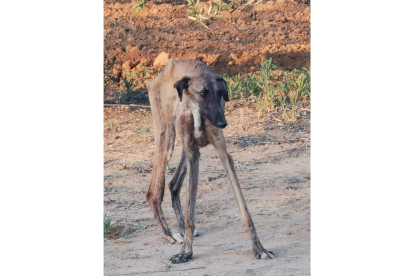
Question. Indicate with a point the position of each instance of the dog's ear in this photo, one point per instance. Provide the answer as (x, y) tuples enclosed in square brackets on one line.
[(182, 85), (223, 87)]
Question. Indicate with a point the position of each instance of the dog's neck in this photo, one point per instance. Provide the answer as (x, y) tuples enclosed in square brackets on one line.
[(192, 108)]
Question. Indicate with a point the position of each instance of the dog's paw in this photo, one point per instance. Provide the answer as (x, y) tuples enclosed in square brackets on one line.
[(265, 255), (268, 255), (181, 258), (176, 238)]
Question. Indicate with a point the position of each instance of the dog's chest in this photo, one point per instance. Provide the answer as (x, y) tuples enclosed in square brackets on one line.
[(192, 126)]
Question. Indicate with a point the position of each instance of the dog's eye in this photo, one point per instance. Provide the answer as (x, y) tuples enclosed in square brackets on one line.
[(202, 93)]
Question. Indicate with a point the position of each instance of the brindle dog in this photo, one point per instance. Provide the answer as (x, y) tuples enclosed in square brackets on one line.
[(188, 96)]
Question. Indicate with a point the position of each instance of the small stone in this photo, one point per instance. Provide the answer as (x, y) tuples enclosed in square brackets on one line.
[(126, 66), (133, 49), (161, 59)]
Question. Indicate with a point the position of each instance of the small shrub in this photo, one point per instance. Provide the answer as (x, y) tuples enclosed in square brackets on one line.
[(129, 84), (260, 105), (107, 222), (139, 5), (234, 85), (142, 74), (195, 15), (111, 125), (108, 75), (251, 85), (144, 129)]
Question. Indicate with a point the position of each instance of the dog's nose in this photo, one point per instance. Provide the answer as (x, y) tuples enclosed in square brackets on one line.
[(222, 124)]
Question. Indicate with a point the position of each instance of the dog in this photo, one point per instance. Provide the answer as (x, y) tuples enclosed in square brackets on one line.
[(188, 97)]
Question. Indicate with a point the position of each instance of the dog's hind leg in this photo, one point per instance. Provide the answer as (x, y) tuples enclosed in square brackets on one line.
[(155, 193), (164, 133), (227, 161), (175, 188)]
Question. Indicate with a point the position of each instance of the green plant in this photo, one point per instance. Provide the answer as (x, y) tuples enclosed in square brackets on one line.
[(264, 82), (142, 74), (282, 99), (292, 89), (129, 84), (197, 16), (144, 129), (136, 256), (145, 70), (139, 5), (260, 105), (251, 85), (108, 75), (293, 96), (234, 85), (305, 86), (218, 7), (107, 222), (111, 125)]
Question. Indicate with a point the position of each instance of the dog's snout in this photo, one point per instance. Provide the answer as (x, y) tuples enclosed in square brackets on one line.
[(222, 124)]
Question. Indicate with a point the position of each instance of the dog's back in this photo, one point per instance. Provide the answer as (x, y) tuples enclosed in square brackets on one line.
[(174, 71)]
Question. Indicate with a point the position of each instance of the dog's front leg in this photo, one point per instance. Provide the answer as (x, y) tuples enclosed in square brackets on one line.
[(227, 161), (186, 252)]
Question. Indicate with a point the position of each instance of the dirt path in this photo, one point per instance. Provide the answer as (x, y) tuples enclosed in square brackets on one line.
[(273, 166)]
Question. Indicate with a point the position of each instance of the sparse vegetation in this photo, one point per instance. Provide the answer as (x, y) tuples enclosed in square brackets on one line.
[(111, 125), (287, 89), (144, 129), (139, 5), (199, 15), (108, 75), (107, 222), (234, 86), (144, 73), (129, 84)]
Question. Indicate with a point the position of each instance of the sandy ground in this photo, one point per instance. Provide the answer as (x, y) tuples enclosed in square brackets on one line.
[(273, 166)]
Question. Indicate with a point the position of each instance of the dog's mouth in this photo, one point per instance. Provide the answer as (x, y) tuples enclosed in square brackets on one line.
[(216, 119), (221, 125)]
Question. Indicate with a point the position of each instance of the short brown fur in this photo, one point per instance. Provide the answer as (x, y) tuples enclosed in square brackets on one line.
[(170, 112)]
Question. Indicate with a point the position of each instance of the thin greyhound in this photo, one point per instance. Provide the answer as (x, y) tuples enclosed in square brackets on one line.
[(188, 96)]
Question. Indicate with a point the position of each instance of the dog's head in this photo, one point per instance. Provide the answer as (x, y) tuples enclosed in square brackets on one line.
[(205, 93)]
